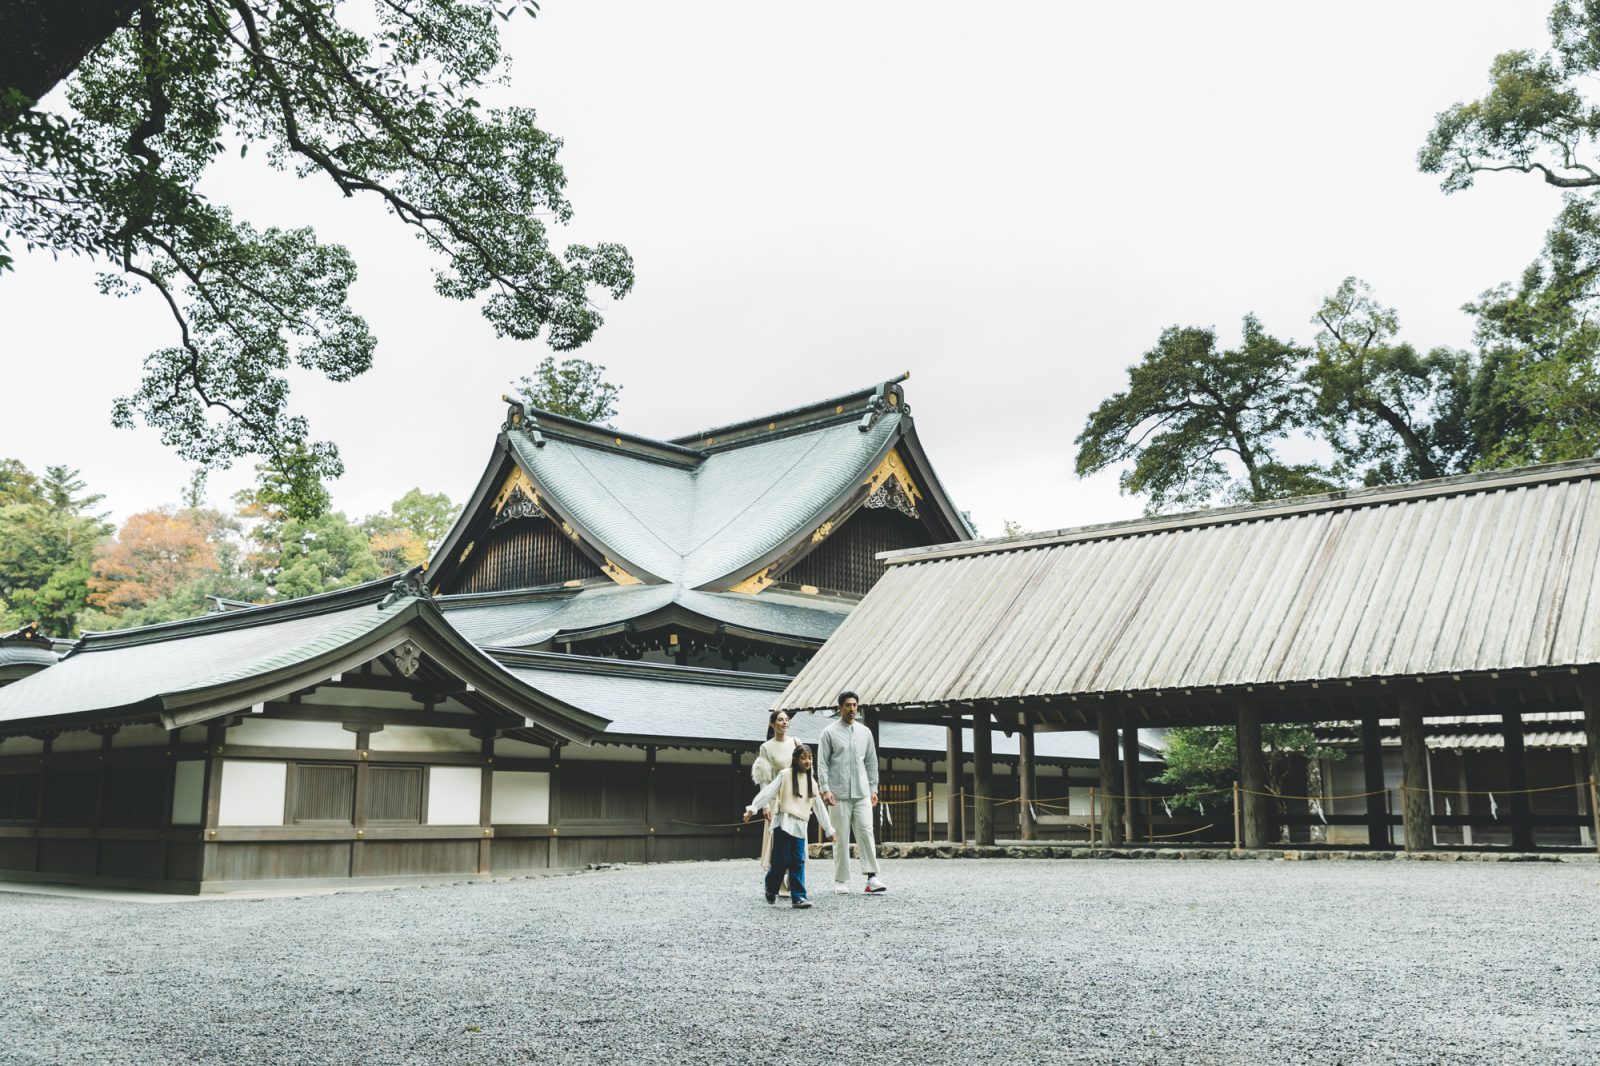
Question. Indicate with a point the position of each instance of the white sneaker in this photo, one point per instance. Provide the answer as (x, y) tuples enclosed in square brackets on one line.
[(875, 885), (840, 888)]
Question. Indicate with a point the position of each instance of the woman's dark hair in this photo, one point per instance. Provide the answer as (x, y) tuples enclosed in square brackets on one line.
[(811, 774), (846, 695), (773, 717)]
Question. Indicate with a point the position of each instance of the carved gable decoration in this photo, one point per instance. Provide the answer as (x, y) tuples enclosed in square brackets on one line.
[(517, 505), (890, 486)]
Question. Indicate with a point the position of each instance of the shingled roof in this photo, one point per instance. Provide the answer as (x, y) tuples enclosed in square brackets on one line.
[(707, 515), (178, 673), (1479, 573)]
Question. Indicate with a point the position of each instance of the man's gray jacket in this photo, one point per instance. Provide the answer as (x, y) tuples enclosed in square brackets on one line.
[(847, 761)]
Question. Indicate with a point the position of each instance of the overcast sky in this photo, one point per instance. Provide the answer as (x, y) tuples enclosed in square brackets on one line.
[(1011, 200)]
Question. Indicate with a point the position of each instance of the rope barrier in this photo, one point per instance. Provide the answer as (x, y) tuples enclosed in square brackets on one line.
[(1494, 792), (1185, 833)]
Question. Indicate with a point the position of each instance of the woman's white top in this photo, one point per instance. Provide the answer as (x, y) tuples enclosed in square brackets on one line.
[(774, 757), (795, 827)]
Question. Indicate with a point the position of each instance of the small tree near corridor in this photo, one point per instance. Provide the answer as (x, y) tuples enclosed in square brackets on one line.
[(1202, 763)]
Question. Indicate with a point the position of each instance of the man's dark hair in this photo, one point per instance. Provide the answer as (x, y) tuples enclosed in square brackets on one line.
[(847, 695)]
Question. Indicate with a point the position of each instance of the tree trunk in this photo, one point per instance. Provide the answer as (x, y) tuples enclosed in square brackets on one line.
[(1414, 773)]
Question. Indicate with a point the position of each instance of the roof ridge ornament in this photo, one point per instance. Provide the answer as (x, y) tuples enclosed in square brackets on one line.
[(518, 418), (885, 397), (408, 585)]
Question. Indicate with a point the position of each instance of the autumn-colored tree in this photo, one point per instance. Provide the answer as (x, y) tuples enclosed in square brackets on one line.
[(153, 554)]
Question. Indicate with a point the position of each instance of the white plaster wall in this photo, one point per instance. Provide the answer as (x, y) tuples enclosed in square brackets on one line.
[(21, 746), (426, 738), (283, 733), (520, 749), (520, 798), (188, 790), (454, 795), (77, 740), (252, 792), (941, 795), (606, 753), (139, 736)]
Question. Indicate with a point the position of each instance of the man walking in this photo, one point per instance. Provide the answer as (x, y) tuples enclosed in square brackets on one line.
[(847, 770)]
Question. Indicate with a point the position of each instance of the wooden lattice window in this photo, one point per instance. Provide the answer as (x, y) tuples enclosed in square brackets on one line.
[(394, 795), (137, 795), (321, 795), (19, 798)]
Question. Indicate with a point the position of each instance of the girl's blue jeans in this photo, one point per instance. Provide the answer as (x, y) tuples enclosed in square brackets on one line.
[(788, 857)]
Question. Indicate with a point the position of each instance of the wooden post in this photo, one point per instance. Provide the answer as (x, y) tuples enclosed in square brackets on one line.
[(1237, 816), (555, 807), (1257, 811), (1594, 812), (1027, 783), (1130, 783), (982, 779), (362, 805), (1110, 780), (1372, 772), (953, 803), (1414, 792), (486, 805), (651, 806), (1589, 696), (930, 814), (210, 857), (1517, 781), (1094, 819)]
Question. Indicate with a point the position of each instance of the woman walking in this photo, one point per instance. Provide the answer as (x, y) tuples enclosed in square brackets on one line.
[(793, 796), (776, 756)]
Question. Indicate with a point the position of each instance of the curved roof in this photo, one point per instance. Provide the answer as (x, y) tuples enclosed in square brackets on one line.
[(707, 511), (188, 671)]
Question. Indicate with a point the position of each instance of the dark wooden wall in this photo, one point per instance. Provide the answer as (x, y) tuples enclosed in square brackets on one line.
[(523, 554), (845, 561)]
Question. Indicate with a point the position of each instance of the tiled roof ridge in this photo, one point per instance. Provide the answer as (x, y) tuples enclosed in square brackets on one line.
[(587, 664), (381, 592), (1341, 499), (844, 408)]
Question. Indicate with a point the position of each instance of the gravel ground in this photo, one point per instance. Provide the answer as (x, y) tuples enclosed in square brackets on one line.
[(991, 961)]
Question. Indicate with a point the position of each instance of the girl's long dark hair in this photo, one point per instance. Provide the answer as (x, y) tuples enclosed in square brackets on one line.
[(811, 774)]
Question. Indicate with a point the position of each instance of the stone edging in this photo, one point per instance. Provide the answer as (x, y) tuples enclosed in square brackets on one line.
[(1068, 851)]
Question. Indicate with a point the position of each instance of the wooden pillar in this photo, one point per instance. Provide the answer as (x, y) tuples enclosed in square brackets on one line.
[(1133, 818), (1372, 771), (650, 815), (741, 796), (359, 810), (1589, 696), (1414, 775), (1027, 783), (1255, 809), (555, 807), (486, 805), (953, 777), (1517, 781), (1110, 780), (982, 780), (211, 802)]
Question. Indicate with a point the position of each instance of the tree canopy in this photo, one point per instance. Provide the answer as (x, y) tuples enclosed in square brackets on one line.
[(576, 388), (1198, 423), (379, 100)]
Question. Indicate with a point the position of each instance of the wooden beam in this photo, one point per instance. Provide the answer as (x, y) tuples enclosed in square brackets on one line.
[(1110, 779), (982, 779), (953, 776), (1027, 782), (1372, 772), (1517, 781), (1133, 818), (1256, 808), (1589, 696), (486, 806), (1414, 774)]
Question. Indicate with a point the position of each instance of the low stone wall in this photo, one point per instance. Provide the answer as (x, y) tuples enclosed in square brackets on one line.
[(1058, 851)]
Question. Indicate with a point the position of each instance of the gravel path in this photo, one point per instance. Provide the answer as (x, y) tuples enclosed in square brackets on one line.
[(991, 961)]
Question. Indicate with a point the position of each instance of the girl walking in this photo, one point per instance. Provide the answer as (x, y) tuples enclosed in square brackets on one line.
[(793, 796), (774, 757)]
